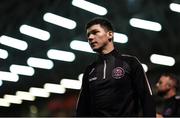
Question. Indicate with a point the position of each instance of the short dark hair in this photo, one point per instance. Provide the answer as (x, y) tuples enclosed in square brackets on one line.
[(102, 21), (172, 77)]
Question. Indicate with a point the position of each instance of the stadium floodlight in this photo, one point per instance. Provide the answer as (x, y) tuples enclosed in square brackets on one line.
[(3, 54), (4, 103), (39, 92), (13, 42), (162, 60), (59, 20), (175, 7), (12, 99), (8, 76), (91, 7), (80, 77), (1, 82), (21, 70), (145, 67), (25, 96), (120, 38), (71, 84), (54, 88), (81, 46), (144, 24), (40, 63), (34, 32), (61, 55)]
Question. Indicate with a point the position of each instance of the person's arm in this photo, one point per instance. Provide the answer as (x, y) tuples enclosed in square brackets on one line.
[(143, 89), (83, 105)]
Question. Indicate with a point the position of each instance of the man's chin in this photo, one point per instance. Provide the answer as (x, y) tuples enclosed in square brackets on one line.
[(161, 93), (96, 49)]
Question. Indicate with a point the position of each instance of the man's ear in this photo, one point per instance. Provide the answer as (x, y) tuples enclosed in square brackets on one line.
[(110, 35)]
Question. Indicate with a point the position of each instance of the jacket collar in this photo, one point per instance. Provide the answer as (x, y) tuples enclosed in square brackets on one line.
[(109, 55)]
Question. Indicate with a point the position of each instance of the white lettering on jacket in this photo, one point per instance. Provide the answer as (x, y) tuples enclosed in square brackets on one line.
[(92, 79)]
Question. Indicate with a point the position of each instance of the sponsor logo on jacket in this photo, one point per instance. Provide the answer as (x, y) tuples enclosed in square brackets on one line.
[(118, 73)]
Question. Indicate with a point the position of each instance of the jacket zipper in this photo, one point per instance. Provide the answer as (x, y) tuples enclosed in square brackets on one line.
[(104, 70)]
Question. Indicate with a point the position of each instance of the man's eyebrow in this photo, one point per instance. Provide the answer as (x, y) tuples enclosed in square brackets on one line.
[(90, 32), (94, 30)]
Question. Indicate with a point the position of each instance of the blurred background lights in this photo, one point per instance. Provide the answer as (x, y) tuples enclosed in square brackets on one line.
[(25, 96), (34, 32), (54, 88), (175, 7), (71, 84), (81, 46), (80, 77), (3, 54), (162, 60), (22, 70), (59, 20), (33, 109), (39, 92), (8, 76), (144, 24), (40, 63), (4, 103), (13, 42), (61, 55), (12, 99), (120, 38), (145, 67), (88, 6), (1, 82)]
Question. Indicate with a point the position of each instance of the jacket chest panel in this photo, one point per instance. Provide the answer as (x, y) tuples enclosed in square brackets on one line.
[(116, 77)]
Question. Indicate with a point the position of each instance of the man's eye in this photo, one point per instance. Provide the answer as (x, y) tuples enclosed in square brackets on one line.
[(88, 35), (94, 32)]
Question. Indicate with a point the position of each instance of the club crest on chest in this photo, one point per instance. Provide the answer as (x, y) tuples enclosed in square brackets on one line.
[(118, 73)]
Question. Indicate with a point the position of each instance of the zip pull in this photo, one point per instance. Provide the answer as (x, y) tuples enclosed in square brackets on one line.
[(104, 70)]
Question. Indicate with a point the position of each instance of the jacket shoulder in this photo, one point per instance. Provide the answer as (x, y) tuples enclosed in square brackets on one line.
[(131, 60), (129, 57), (90, 66)]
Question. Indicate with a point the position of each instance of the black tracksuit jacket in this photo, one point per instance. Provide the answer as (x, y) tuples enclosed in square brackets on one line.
[(168, 107), (115, 85)]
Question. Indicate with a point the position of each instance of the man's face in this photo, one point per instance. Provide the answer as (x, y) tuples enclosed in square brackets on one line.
[(98, 37), (163, 85)]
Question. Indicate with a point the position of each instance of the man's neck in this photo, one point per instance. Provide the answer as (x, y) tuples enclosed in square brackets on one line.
[(107, 50), (169, 94)]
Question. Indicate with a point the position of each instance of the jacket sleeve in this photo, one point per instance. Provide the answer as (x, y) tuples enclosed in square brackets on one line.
[(177, 107), (143, 89), (83, 104)]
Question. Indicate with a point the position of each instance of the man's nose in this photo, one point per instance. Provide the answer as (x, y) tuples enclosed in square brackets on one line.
[(90, 37)]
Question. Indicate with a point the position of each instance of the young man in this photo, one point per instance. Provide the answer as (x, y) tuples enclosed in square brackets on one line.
[(169, 106), (115, 84)]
